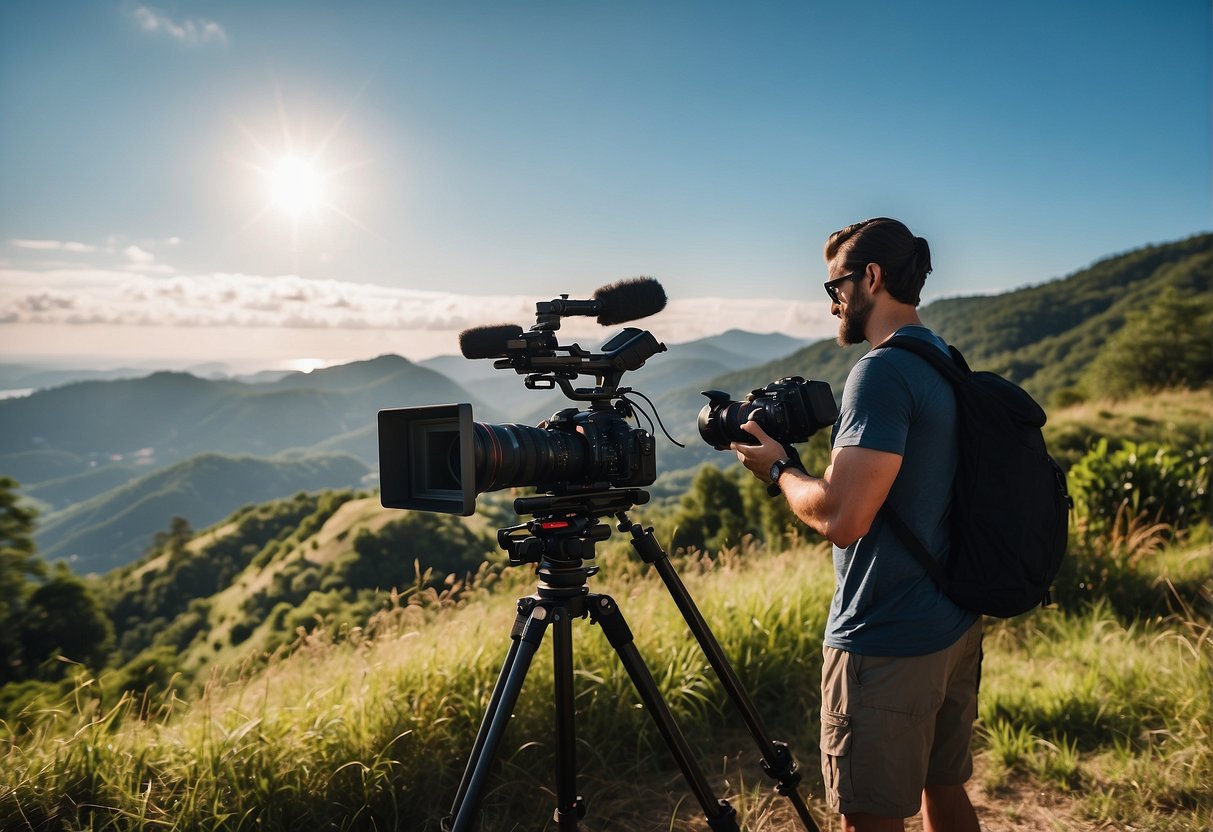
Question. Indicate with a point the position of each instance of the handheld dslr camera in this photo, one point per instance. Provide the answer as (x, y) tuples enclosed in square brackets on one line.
[(789, 410), (436, 458)]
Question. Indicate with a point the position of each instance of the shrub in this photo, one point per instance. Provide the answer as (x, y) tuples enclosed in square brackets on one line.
[(1145, 481)]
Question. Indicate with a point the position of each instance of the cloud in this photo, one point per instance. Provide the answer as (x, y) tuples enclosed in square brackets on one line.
[(140, 298), (53, 245), (132, 257), (191, 32), (138, 256)]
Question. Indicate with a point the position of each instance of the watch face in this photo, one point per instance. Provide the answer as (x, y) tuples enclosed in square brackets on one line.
[(777, 469)]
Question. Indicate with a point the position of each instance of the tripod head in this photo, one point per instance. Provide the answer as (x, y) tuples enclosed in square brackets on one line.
[(562, 535)]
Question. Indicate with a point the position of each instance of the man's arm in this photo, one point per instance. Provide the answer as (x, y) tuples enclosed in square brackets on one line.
[(840, 504)]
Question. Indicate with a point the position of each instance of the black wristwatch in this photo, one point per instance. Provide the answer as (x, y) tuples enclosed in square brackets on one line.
[(777, 470)]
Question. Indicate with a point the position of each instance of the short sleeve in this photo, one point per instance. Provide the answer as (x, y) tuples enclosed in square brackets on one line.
[(876, 407)]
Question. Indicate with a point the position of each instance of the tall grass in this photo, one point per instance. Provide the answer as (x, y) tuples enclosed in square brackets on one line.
[(370, 728)]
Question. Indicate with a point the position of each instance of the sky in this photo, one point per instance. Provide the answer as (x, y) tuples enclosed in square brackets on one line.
[(292, 184)]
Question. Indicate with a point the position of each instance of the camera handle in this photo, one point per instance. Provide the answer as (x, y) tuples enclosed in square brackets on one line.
[(777, 759)]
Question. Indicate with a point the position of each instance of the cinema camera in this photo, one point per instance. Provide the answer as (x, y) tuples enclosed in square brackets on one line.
[(435, 458)]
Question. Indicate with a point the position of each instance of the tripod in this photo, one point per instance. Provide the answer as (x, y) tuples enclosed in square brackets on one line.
[(559, 540)]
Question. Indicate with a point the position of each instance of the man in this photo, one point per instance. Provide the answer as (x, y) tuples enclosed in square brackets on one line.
[(902, 661)]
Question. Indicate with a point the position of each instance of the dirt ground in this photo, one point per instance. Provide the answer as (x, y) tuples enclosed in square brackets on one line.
[(1013, 808), (1002, 807)]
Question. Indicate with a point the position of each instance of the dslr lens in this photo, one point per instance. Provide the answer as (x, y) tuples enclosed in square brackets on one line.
[(720, 423)]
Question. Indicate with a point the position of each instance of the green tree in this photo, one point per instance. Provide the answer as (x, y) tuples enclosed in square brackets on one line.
[(387, 558), (20, 570), (1170, 344), (712, 512), (63, 618)]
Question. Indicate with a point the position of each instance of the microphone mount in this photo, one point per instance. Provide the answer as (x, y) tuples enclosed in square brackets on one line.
[(537, 359), (537, 354)]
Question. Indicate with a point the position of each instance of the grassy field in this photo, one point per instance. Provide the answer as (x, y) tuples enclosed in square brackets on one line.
[(1105, 703)]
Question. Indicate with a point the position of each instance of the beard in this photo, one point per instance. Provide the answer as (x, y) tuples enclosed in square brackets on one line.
[(853, 318)]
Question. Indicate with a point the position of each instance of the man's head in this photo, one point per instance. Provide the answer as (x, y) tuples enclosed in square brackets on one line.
[(879, 253)]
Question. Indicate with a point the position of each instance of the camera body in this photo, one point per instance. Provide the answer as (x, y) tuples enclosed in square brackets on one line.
[(618, 455), (789, 410)]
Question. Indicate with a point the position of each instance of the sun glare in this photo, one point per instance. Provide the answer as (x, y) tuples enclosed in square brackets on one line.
[(302, 179), (296, 186), (307, 365)]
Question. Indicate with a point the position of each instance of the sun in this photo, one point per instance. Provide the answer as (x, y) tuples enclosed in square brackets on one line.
[(296, 186), (303, 178)]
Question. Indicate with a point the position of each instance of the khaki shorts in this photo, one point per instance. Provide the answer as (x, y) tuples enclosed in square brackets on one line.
[(892, 725)]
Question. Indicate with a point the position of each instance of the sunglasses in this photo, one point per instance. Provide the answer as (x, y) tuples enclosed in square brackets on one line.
[(832, 286)]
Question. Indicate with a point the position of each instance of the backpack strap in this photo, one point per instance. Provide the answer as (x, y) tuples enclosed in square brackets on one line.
[(906, 535), (955, 371)]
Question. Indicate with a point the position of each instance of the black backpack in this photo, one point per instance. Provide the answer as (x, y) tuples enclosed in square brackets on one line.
[(1010, 509)]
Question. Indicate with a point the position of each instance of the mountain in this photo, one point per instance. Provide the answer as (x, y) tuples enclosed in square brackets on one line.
[(116, 527), (108, 463), (167, 417), (31, 378), (737, 348)]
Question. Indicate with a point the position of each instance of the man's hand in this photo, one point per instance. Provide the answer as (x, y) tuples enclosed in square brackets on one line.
[(840, 504), (759, 458)]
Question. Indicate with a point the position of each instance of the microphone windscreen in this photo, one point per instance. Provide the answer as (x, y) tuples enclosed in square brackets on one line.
[(628, 300), (487, 341)]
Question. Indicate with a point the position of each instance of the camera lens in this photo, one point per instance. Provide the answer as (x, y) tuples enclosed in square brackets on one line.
[(511, 454), (720, 422)]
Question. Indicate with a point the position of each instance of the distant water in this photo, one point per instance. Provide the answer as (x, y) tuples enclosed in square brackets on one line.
[(16, 394)]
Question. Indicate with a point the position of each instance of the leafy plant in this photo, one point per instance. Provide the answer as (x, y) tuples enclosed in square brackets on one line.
[(1142, 480)]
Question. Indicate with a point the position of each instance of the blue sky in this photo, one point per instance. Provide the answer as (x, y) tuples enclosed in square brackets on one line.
[(469, 158)]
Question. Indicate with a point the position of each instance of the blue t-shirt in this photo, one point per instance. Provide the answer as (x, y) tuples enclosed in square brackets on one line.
[(884, 603)]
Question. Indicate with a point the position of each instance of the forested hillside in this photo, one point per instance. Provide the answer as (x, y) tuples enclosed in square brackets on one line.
[(1048, 337), (245, 585), (104, 532)]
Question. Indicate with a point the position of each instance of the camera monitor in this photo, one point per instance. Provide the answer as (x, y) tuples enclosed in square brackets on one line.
[(427, 458)]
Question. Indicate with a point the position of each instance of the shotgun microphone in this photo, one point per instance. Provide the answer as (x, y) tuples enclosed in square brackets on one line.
[(629, 300), (487, 341)]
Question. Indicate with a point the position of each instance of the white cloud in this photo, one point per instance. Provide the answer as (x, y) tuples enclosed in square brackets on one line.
[(53, 245), (78, 296), (191, 32), (138, 255)]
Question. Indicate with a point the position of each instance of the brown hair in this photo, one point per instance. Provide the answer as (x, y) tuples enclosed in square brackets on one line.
[(905, 259)]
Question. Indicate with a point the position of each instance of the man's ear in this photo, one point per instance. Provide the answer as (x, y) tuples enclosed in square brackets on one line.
[(874, 276)]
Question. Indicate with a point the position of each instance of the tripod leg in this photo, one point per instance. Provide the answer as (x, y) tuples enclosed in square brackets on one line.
[(520, 620), (570, 806), (604, 611), (531, 622), (777, 759)]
